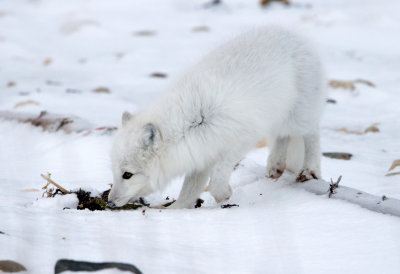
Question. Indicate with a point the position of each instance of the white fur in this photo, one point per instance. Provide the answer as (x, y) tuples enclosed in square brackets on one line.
[(264, 83)]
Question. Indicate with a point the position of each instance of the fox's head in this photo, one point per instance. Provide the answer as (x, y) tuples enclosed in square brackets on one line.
[(134, 160)]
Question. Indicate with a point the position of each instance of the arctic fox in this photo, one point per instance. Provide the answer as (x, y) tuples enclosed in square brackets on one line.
[(267, 82)]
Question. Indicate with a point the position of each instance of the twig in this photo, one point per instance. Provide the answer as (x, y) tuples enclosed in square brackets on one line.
[(47, 178), (334, 186), (366, 200)]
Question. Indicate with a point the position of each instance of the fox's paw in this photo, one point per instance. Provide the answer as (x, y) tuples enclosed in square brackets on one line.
[(307, 174), (275, 171), (221, 194)]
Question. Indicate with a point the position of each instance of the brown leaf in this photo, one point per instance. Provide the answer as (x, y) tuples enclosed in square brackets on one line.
[(349, 85), (262, 143), (47, 61), (372, 128), (342, 84), (395, 164), (11, 84), (25, 103), (102, 90)]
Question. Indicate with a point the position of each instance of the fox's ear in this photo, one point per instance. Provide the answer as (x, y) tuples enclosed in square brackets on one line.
[(150, 135), (126, 116)]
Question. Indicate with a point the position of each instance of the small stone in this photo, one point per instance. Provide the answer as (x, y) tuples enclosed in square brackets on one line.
[(331, 101), (11, 266), (201, 29), (338, 155), (11, 84), (158, 75), (144, 33)]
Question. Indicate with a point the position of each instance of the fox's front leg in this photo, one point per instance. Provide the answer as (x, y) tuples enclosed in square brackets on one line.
[(192, 187)]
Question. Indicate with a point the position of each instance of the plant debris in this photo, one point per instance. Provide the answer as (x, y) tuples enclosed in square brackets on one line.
[(266, 2), (102, 90), (50, 181), (47, 61), (349, 85), (49, 122), (395, 164), (371, 128), (393, 173), (199, 202), (262, 143), (24, 103), (158, 75), (87, 201), (338, 155), (169, 203), (334, 186), (229, 205), (11, 84)]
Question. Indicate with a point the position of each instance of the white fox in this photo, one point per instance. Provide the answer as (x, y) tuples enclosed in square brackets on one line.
[(264, 83)]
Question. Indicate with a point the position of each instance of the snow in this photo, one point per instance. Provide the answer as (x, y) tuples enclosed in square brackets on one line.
[(93, 44)]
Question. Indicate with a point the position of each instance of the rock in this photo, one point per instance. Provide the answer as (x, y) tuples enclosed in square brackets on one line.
[(338, 155), (71, 265), (11, 266)]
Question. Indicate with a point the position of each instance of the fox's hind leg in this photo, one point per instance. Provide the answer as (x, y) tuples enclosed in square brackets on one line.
[(277, 158), (312, 158)]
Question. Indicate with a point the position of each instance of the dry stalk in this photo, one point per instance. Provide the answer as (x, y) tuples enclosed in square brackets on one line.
[(334, 186), (47, 178)]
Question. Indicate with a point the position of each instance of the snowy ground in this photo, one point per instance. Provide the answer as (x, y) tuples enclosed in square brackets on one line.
[(57, 52)]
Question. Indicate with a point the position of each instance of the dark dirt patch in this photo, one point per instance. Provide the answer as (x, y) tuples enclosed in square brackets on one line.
[(229, 205)]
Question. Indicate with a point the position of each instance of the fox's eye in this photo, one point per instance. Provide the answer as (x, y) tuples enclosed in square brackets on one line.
[(127, 175)]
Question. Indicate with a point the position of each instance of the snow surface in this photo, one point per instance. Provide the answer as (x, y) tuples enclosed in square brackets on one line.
[(277, 228)]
